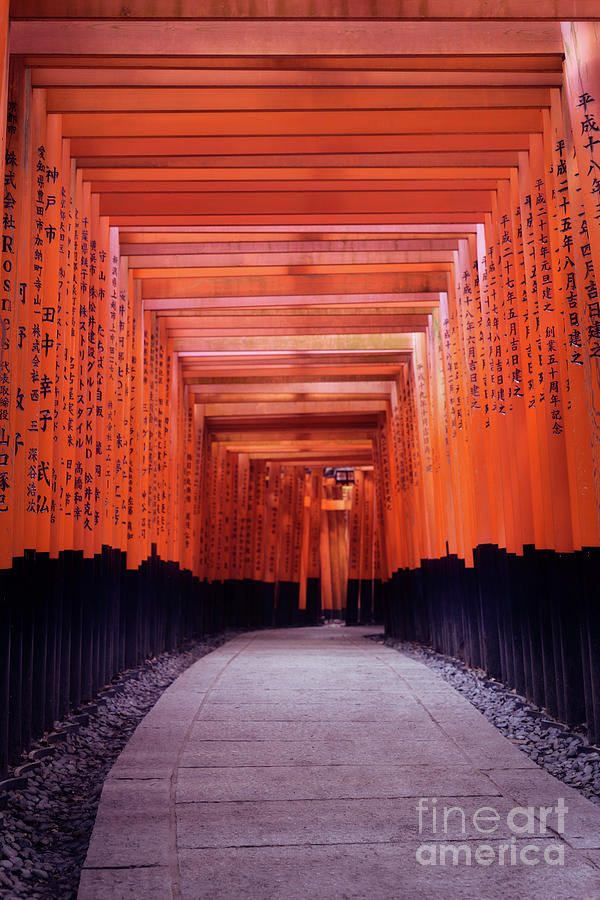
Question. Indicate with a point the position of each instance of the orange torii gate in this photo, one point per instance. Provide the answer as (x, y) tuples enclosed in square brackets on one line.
[(231, 272)]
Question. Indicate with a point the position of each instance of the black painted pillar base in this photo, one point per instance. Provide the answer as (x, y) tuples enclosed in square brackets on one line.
[(68, 625), (532, 621)]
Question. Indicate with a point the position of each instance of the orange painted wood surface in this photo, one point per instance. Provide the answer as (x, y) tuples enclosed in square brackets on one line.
[(300, 247)]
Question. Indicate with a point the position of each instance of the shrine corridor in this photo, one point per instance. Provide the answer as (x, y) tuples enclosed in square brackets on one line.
[(299, 327)]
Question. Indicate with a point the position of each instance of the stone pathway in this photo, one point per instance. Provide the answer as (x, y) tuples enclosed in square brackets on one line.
[(313, 763)]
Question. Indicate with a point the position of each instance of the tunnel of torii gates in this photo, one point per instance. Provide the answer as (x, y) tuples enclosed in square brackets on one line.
[(299, 319)]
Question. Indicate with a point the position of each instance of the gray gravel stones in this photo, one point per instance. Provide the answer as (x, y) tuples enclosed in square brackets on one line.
[(560, 750), (46, 827)]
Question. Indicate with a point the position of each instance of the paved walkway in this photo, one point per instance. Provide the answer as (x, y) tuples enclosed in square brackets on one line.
[(289, 764)]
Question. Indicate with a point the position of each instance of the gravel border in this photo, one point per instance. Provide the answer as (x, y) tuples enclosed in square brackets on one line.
[(46, 826), (561, 750)]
